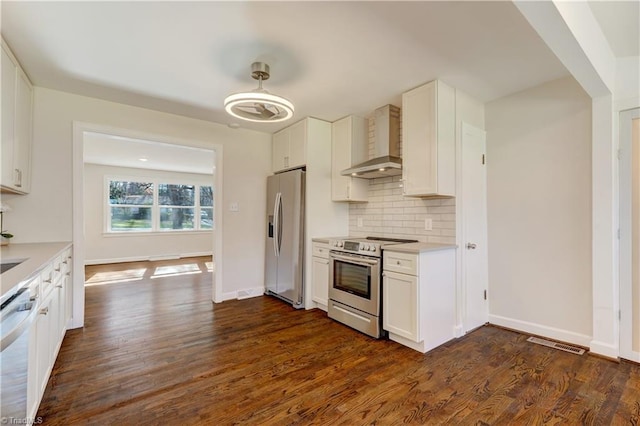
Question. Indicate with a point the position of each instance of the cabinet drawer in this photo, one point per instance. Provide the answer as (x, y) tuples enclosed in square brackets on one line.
[(321, 250), (405, 263)]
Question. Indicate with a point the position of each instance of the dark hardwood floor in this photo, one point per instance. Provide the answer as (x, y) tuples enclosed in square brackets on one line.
[(155, 350)]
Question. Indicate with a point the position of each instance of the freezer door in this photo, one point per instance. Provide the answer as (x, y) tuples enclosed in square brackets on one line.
[(271, 259)]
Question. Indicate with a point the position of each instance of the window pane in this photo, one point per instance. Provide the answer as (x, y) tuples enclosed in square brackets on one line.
[(176, 218), (206, 218), (135, 193), (176, 195), (206, 196), (130, 219)]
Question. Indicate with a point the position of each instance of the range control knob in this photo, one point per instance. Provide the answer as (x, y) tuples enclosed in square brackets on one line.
[(372, 248), (339, 243)]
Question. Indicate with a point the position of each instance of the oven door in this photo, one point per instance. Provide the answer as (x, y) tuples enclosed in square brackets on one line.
[(354, 280)]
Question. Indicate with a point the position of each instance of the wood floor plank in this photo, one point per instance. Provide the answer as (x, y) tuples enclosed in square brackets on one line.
[(155, 350)]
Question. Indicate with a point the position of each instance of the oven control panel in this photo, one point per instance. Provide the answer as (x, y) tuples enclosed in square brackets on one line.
[(365, 248)]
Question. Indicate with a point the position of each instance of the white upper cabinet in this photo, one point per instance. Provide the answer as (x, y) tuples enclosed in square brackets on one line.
[(17, 104), (290, 147), (428, 146), (349, 146)]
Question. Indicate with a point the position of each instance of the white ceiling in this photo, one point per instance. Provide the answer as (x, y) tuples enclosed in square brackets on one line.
[(620, 23), (331, 59), (126, 152)]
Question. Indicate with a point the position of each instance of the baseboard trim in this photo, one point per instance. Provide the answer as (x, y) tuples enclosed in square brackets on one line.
[(604, 350), (145, 258), (542, 330), (457, 331), (245, 293)]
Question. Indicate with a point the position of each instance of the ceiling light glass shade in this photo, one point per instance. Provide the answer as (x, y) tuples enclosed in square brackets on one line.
[(259, 106)]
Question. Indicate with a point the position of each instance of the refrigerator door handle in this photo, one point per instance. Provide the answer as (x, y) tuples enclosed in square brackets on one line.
[(279, 223), (276, 225)]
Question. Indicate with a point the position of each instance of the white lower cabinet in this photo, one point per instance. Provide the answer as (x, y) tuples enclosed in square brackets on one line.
[(53, 304), (401, 295), (419, 297), (320, 274)]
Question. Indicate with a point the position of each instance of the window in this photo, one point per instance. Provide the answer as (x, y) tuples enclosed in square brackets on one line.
[(150, 205)]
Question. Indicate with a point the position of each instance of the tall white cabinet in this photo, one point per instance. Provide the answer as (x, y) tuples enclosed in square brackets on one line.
[(17, 105), (309, 140), (349, 146), (429, 140)]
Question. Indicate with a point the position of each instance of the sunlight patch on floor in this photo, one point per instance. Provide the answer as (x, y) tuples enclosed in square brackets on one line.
[(114, 277), (173, 270)]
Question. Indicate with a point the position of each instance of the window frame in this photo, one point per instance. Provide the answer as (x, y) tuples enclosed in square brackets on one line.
[(155, 207)]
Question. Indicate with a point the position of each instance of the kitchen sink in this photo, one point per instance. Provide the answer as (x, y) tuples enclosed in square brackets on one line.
[(9, 264)]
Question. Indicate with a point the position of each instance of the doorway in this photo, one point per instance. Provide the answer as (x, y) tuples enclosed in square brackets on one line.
[(630, 235), (172, 146)]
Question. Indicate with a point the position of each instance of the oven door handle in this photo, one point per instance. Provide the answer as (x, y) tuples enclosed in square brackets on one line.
[(355, 260)]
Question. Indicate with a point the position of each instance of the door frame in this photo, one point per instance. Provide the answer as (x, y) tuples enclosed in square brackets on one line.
[(79, 128), (626, 238)]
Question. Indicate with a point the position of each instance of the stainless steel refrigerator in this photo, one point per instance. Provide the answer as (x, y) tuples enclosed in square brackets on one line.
[(284, 266)]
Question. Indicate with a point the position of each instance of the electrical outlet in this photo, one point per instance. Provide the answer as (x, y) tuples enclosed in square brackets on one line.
[(359, 222), (428, 224), (234, 207)]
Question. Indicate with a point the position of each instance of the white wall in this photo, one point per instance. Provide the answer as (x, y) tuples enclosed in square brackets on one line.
[(124, 247), (539, 211), (46, 213)]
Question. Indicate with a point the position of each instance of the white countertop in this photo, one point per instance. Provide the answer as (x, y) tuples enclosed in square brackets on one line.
[(418, 247), (37, 256)]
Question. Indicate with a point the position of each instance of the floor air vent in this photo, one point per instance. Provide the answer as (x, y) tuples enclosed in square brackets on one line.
[(555, 345)]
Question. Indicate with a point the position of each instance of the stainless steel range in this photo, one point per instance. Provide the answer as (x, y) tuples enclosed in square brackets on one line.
[(355, 284)]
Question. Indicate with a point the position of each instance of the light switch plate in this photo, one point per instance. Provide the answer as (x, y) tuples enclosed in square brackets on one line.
[(428, 224), (234, 207), (359, 222)]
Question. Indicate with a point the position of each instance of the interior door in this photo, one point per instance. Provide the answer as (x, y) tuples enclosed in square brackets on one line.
[(474, 228), (630, 235)]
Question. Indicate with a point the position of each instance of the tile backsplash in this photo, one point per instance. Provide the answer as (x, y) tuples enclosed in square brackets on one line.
[(389, 214)]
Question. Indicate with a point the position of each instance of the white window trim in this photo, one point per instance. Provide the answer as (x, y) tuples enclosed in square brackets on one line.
[(155, 208)]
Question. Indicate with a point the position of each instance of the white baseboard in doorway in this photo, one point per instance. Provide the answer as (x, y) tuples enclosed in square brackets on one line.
[(145, 258), (542, 330), (245, 293)]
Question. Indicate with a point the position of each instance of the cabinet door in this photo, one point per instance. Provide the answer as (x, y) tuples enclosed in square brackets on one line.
[(23, 126), (340, 159), (349, 140), (298, 144), (9, 71), (419, 149), (320, 280), (280, 160), (400, 305), (43, 344)]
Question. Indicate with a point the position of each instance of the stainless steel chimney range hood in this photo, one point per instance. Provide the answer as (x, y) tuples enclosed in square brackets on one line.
[(386, 161)]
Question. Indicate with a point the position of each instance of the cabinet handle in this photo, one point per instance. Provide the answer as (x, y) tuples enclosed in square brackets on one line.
[(64, 261), (68, 273), (44, 311), (57, 269), (18, 178), (33, 298), (48, 281), (59, 286), (397, 262)]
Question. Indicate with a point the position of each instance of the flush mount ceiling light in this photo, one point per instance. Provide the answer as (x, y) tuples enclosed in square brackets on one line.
[(259, 105)]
